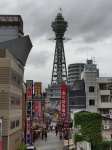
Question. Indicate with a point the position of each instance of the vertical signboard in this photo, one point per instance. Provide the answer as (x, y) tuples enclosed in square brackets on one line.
[(38, 89), (37, 102), (0, 134), (29, 98), (29, 88), (63, 102)]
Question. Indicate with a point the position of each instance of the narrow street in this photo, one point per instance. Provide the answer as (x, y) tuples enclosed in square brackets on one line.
[(52, 143)]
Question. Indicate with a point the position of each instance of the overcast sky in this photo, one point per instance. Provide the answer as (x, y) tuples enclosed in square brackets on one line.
[(89, 28)]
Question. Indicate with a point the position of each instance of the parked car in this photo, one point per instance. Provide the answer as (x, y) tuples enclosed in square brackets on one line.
[(31, 148)]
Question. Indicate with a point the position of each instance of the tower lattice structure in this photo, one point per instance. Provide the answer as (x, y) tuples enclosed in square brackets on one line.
[(59, 72)]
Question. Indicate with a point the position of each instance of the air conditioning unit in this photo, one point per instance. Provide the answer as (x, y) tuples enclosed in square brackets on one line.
[(105, 126)]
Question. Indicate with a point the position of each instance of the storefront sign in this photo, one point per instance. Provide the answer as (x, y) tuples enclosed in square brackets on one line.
[(38, 89), (29, 85), (63, 102)]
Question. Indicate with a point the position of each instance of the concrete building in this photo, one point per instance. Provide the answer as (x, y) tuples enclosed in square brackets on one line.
[(77, 95), (53, 93), (11, 27), (14, 50), (98, 90), (11, 77), (74, 72)]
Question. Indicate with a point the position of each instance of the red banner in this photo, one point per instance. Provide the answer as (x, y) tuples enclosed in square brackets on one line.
[(63, 102), (29, 92), (36, 107)]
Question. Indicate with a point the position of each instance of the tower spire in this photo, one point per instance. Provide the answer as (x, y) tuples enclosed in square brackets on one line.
[(59, 72)]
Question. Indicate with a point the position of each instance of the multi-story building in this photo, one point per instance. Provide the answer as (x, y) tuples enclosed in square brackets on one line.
[(14, 50), (77, 95), (11, 27), (53, 93), (11, 77), (74, 72), (98, 91)]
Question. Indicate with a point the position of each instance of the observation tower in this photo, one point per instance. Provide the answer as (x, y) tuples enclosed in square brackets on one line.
[(59, 72)]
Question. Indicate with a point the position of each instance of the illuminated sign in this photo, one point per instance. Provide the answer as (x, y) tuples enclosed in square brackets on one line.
[(63, 102)]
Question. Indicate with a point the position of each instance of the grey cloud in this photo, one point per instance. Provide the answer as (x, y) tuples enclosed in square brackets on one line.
[(84, 49), (38, 59), (88, 20)]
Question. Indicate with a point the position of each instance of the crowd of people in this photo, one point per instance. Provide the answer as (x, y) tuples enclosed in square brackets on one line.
[(63, 133)]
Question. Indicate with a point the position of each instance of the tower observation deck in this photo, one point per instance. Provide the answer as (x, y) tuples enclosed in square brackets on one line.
[(59, 72)]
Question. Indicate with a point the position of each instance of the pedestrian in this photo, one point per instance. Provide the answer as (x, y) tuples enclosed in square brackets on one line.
[(60, 134), (51, 128), (56, 130), (45, 134)]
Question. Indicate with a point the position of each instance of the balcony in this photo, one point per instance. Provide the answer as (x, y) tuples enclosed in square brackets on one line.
[(104, 92)]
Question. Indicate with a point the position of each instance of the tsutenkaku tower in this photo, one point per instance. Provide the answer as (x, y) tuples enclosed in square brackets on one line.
[(59, 72)]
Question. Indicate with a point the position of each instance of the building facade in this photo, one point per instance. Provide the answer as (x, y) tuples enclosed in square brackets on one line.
[(74, 72), (97, 91), (14, 50), (11, 77), (11, 27)]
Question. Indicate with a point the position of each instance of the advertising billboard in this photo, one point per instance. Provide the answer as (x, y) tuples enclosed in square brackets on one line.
[(90, 68), (37, 89), (63, 102), (37, 110)]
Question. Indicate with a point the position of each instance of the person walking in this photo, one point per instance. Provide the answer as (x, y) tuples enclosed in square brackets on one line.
[(56, 130), (45, 134), (51, 128)]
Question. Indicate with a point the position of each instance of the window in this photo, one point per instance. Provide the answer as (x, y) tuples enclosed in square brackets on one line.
[(103, 86), (17, 101), (106, 121), (91, 102), (72, 103), (91, 88), (105, 98), (17, 123), (104, 111), (18, 80), (12, 100), (12, 125)]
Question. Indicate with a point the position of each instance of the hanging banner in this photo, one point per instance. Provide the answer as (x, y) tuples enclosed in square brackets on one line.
[(28, 131), (29, 89), (29, 99), (38, 89), (63, 102)]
